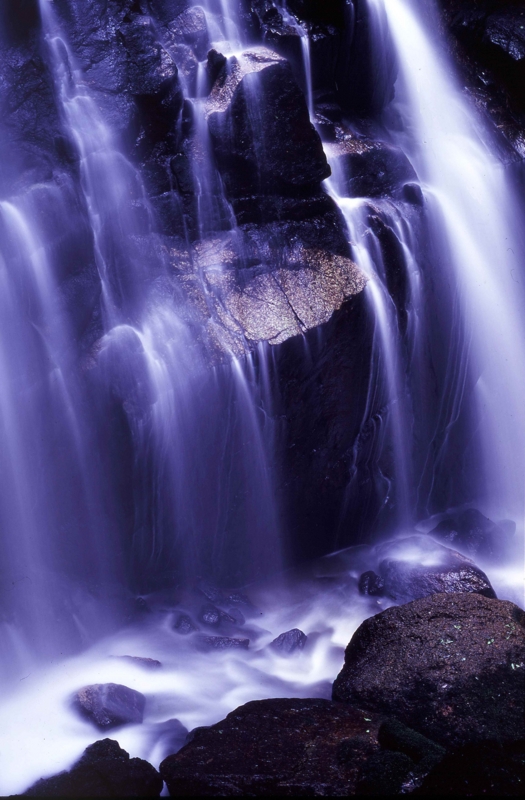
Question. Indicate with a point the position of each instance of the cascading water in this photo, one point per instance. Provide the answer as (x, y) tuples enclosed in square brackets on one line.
[(150, 470)]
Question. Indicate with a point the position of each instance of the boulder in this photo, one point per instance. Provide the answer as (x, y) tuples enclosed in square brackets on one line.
[(369, 168), (289, 642), (104, 770), (261, 132), (110, 704), (222, 643), (474, 533), (276, 747), (417, 567), (451, 666)]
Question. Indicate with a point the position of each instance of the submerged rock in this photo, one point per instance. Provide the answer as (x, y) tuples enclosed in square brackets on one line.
[(289, 642), (139, 661), (371, 583), (104, 770), (184, 625), (110, 704), (222, 643), (451, 666), (276, 747)]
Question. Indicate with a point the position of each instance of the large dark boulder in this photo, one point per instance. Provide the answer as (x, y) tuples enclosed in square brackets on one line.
[(451, 666), (261, 133), (104, 770), (110, 704), (275, 747), (417, 567)]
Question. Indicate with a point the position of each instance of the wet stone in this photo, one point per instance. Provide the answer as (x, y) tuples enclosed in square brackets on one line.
[(104, 770), (222, 643), (289, 642), (138, 661), (371, 583), (184, 625), (110, 704), (450, 666), (278, 747)]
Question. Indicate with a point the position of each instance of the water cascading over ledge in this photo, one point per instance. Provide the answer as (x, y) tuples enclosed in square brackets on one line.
[(233, 340)]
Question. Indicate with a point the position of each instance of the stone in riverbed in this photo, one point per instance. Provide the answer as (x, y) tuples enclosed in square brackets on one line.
[(222, 643), (139, 661), (451, 666), (104, 770), (110, 704), (276, 747), (471, 531), (289, 642), (416, 567), (184, 625)]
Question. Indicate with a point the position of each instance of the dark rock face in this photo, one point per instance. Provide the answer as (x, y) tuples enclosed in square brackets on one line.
[(414, 567), (289, 642), (489, 43), (474, 533), (450, 666), (481, 769), (104, 770), (276, 747), (371, 168), (110, 704), (262, 136)]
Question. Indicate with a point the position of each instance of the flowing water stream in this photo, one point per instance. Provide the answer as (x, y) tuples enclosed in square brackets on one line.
[(203, 442)]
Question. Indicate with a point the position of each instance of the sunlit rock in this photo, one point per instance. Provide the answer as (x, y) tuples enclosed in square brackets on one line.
[(110, 704), (451, 666)]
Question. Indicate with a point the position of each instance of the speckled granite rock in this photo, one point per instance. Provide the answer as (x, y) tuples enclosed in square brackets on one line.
[(452, 666), (276, 747)]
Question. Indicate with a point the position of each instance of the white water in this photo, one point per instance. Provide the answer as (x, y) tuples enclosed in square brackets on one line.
[(478, 219), (40, 732)]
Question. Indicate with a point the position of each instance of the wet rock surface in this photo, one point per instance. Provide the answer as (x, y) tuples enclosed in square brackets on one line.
[(110, 704), (450, 666), (489, 45), (104, 770), (262, 136), (474, 533), (370, 168), (276, 747), (415, 567), (289, 642)]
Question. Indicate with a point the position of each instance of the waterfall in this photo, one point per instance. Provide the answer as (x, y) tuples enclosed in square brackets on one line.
[(146, 432), (477, 220)]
